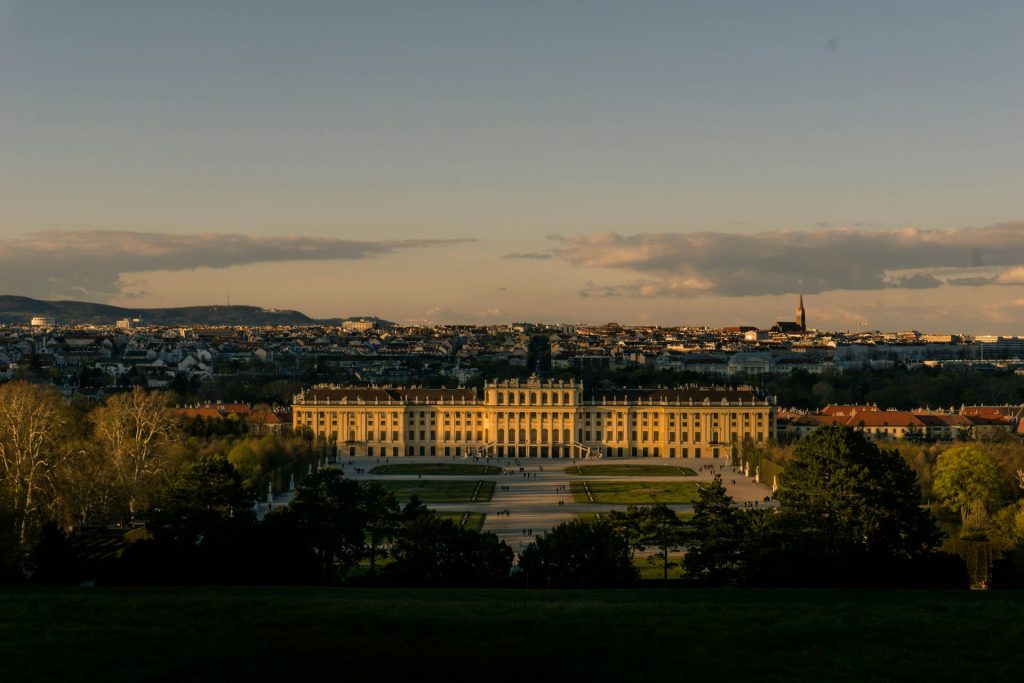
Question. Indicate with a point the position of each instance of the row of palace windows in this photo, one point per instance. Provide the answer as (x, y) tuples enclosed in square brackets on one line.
[(684, 437), (531, 398), (532, 416), (522, 451), (520, 436), (448, 436)]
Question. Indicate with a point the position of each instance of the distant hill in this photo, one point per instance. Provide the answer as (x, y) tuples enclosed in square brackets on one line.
[(21, 309)]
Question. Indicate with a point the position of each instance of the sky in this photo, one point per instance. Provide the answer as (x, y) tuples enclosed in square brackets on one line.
[(673, 163)]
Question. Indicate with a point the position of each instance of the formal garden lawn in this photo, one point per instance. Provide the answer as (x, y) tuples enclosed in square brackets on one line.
[(433, 491), (650, 568), (634, 492), (474, 520), (631, 471), (316, 634), (442, 468)]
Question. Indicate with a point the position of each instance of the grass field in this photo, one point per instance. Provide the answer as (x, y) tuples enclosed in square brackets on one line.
[(630, 471), (432, 491), (474, 520), (651, 569), (316, 634), (456, 469), (634, 492)]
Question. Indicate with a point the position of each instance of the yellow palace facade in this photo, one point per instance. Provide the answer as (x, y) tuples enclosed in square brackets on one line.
[(536, 418)]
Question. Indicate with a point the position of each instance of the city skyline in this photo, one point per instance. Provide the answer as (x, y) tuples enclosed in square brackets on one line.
[(688, 164)]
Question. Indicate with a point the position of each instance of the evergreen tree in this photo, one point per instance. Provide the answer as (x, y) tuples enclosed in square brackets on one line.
[(840, 493), (714, 551)]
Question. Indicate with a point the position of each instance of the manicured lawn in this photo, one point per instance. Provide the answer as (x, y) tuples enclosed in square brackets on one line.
[(634, 492), (630, 471), (474, 520), (432, 491), (457, 469), (212, 635), (651, 569)]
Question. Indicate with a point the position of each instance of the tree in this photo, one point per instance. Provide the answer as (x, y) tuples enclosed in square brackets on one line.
[(257, 420), (431, 550), (661, 528), (579, 553), (246, 460), (840, 493), (205, 505), (87, 486), (969, 481), (134, 428), (714, 550), (32, 450), (327, 515), (380, 512), (627, 523), (414, 508)]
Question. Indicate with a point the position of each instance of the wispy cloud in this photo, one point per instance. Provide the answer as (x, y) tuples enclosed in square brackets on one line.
[(90, 263), (529, 255), (780, 262)]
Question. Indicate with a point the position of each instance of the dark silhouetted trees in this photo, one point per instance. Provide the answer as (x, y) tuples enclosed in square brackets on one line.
[(579, 553)]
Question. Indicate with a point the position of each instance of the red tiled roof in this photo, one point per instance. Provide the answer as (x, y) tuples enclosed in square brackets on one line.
[(204, 412), (884, 418)]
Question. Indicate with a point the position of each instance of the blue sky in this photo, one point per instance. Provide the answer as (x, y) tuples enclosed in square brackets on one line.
[(415, 126)]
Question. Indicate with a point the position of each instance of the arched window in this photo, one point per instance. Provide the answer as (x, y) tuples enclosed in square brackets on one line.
[(543, 436), (565, 436), (533, 436), (522, 436), (501, 435), (565, 398), (501, 398), (533, 398), (554, 397)]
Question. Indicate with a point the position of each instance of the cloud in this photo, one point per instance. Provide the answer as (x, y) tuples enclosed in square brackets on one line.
[(439, 315), (528, 255), (1013, 276), (784, 261), (91, 263)]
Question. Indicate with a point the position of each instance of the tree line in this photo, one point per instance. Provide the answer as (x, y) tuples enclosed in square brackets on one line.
[(849, 514), (75, 468), (175, 499)]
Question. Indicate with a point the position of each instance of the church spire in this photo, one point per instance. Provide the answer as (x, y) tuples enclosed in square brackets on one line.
[(801, 316)]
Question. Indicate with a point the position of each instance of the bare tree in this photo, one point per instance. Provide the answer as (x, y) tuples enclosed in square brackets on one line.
[(89, 491), (261, 412), (134, 430), (33, 421)]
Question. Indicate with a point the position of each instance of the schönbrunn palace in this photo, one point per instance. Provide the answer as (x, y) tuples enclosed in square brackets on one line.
[(537, 418)]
